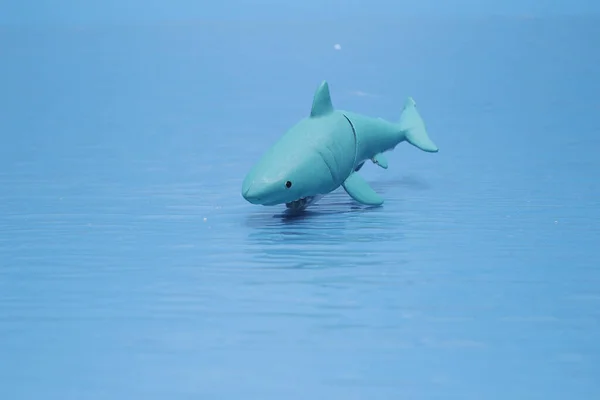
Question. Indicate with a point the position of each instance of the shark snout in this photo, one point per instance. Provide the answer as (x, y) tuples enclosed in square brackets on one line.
[(265, 192), (248, 193), (253, 193), (278, 179)]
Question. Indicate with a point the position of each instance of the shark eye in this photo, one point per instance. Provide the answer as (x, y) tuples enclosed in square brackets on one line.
[(288, 184)]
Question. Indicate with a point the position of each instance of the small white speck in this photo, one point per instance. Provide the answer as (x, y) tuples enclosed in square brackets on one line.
[(337, 46), (204, 219), (556, 222)]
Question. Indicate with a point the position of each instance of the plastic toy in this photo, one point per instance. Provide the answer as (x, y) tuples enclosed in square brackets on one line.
[(326, 150)]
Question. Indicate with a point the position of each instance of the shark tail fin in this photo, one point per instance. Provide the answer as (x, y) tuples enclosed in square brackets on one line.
[(413, 127)]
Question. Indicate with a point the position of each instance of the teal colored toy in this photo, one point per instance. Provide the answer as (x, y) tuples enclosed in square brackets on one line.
[(326, 150)]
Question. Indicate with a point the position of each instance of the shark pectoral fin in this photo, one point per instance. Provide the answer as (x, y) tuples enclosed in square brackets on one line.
[(380, 160), (359, 190)]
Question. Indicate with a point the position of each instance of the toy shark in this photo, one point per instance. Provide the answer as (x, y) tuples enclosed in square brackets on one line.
[(326, 150)]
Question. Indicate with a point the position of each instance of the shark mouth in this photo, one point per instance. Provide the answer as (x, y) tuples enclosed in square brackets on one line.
[(303, 202)]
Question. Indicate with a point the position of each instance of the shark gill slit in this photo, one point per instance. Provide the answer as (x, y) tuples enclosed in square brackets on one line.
[(335, 161), (326, 163), (333, 175)]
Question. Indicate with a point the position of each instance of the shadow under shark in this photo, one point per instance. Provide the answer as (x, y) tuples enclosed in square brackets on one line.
[(326, 150)]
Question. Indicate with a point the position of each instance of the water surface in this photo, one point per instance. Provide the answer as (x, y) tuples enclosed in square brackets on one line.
[(130, 265)]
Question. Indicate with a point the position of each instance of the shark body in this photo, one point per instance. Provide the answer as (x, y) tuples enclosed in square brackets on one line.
[(326, 150)]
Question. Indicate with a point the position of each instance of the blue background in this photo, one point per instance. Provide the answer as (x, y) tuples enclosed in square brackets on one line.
[(131, 267)]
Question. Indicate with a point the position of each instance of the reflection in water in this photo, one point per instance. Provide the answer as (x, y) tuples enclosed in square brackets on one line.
[(345, 234)]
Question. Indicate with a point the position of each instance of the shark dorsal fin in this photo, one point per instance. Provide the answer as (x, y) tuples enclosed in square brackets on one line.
[(322, 101), (410, 102)]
